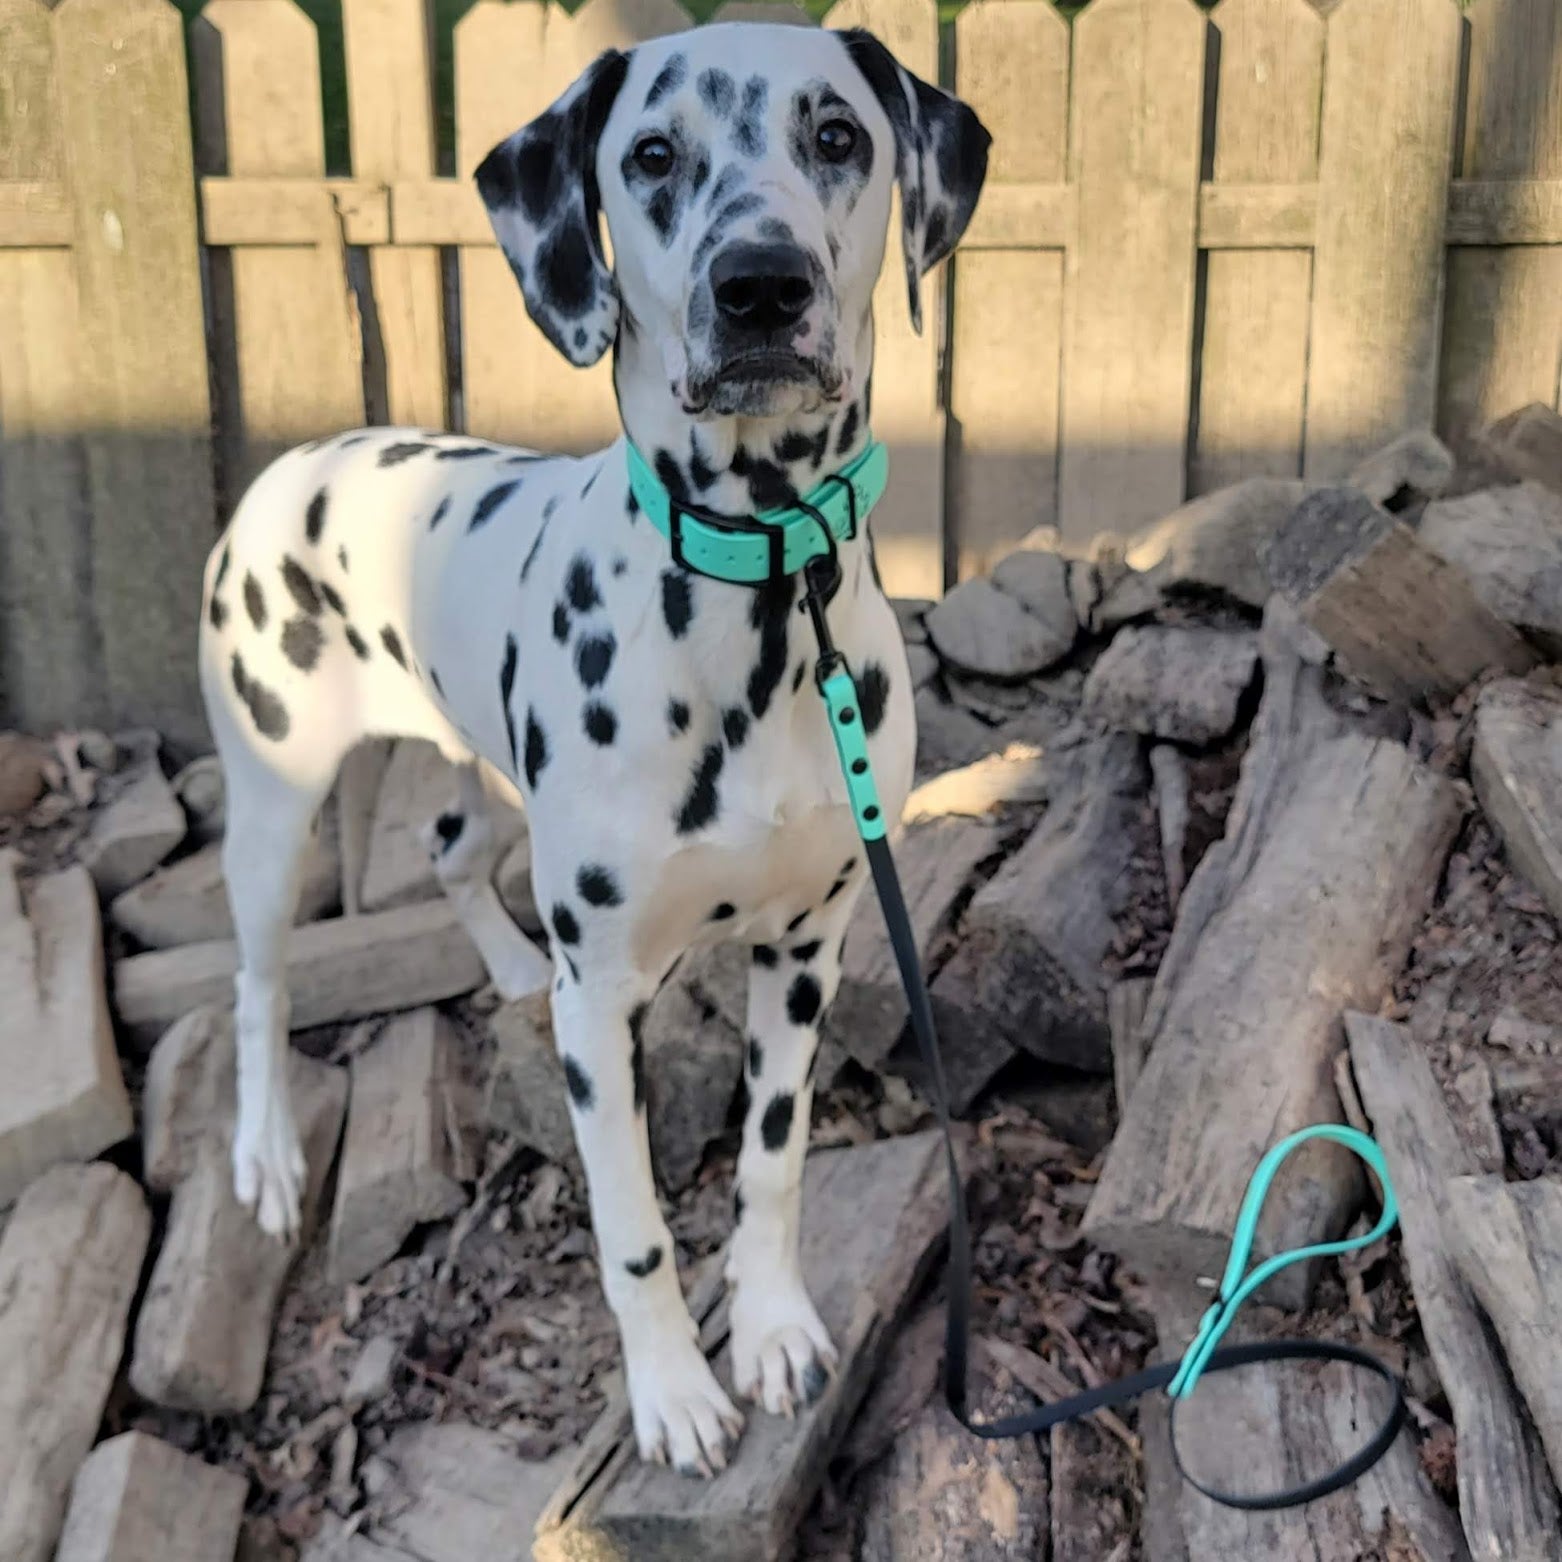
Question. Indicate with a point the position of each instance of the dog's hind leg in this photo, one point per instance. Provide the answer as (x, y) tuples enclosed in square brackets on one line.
[(466, 846)]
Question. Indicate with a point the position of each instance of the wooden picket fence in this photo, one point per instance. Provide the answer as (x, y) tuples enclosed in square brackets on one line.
[(1254, 239)]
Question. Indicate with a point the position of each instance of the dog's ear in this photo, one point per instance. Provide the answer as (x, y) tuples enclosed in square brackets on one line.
[(940, 158), (540, 188)]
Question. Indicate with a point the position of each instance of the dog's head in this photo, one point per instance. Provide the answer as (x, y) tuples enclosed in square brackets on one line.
[(744, 172)]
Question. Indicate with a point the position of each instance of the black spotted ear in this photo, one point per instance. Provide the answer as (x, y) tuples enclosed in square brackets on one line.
[(940, 156), (540, 188)]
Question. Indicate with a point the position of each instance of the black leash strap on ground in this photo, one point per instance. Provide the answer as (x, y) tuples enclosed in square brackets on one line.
[(957, 1330)]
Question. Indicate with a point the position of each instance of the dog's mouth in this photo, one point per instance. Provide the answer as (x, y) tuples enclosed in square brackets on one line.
[(764, 381)]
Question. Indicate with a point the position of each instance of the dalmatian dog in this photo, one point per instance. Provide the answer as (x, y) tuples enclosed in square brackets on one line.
[(660, 728)]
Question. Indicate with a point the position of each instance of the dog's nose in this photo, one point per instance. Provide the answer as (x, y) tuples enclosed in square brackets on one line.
[(762, 287)]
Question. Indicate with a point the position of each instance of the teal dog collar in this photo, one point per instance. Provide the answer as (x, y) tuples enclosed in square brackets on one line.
[(751, 550)]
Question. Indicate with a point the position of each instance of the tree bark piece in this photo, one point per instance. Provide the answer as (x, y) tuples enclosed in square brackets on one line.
[(1029, 969), (344, 969), (64, 1097), (205, 1322), (873, 1216), (129, 837), (1181, 684), (70, 1261), (1406, 622), (937, 861), (1169, 772), (406, 1152), (1333, 847), (1516, 765), (1507, 1503), (1507, 1240), (1126, 1003), (136, 1498), (187, 902), (1091, 1477)]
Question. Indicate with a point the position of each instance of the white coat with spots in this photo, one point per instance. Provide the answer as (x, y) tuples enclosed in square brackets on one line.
[(661, 729)]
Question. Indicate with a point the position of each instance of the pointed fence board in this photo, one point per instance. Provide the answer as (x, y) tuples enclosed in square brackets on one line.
[(1253, 364), (1011, 66), (1502, 342), (1134, 156), (390, 106), (296, 351), (1384, 161)]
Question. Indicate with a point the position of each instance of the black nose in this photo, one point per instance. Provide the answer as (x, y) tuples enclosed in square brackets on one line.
[(761, 287)]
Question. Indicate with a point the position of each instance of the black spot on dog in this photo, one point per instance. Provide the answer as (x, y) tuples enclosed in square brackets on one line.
[(314, 517), (301, 642), (723, 911), (749, 133), (536, 756), (590, 481), (620, 565), (848, 434), (254, 601), (718, 92), (331, 597), (448, 828), (579, 1082), (560, 621), (872, 696), (565, 266), (483, 511), (797, 922), (594, 658), (671, 475), (358, 643), (542, 531), (798, 674), (803, 999), (677, 602), (795, 445), (768, 613), (217, 613), (392, 643), (806, 952), (506, 688), (776, 1124), (703, 801), (768, 485), (766, 956), (668, 79), (433, 678), (737, 1206), (637, 1052), (659, 207), (600, 723), (464, 452), (580, 341), (727, 183), (300, 587), (341, 558), (632, 507), (565, 928), (734, 726), (641, 1267), (834, 890), (701, 475), (405, 450), (756, 1057), (581, 586), (677, 716), (222, 566), (597, 886), (441, 510), (265, 709)]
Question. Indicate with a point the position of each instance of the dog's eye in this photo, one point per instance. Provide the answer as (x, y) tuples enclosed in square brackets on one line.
[(654, 156), (836, 140)]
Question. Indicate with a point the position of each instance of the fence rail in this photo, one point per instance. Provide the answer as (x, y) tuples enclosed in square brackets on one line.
[(1256, 239)]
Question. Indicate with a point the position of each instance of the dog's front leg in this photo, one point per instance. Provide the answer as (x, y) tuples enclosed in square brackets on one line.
[(681, 1415), (781, 1352)]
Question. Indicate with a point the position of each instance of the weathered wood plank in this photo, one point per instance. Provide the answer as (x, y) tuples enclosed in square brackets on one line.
[(390, 117), (142, 390), (1504, 305), (1516, 765), (297, 348), (256, 212), (34, 213), (1507, 1503), (1011, 66), (1334, 845), (1253, 374), (872, 1216), (1134, 154), (1386, 147)]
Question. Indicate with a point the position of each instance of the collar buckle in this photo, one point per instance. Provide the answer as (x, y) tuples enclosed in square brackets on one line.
[(775, 539)]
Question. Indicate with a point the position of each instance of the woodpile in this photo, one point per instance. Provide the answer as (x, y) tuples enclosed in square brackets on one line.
[(1251, 821)]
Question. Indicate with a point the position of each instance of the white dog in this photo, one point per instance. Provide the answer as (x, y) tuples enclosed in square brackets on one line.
[(660, 726)]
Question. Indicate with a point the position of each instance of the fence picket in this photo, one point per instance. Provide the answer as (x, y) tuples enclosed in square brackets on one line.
[(390, 105), (1502, 344), (1011, 65), (1390, 79), (1134, 152), (142, 397), (297, 350), (1253, 376)]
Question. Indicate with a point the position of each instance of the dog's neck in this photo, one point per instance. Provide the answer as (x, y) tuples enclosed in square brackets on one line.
[(736, 465)]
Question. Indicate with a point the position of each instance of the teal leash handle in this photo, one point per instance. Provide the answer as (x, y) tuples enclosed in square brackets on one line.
[(1235, 1288)]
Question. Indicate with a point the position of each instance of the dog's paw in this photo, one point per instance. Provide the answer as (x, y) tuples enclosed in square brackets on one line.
[(681, 1415), (782, 1357), (269, 1170)]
